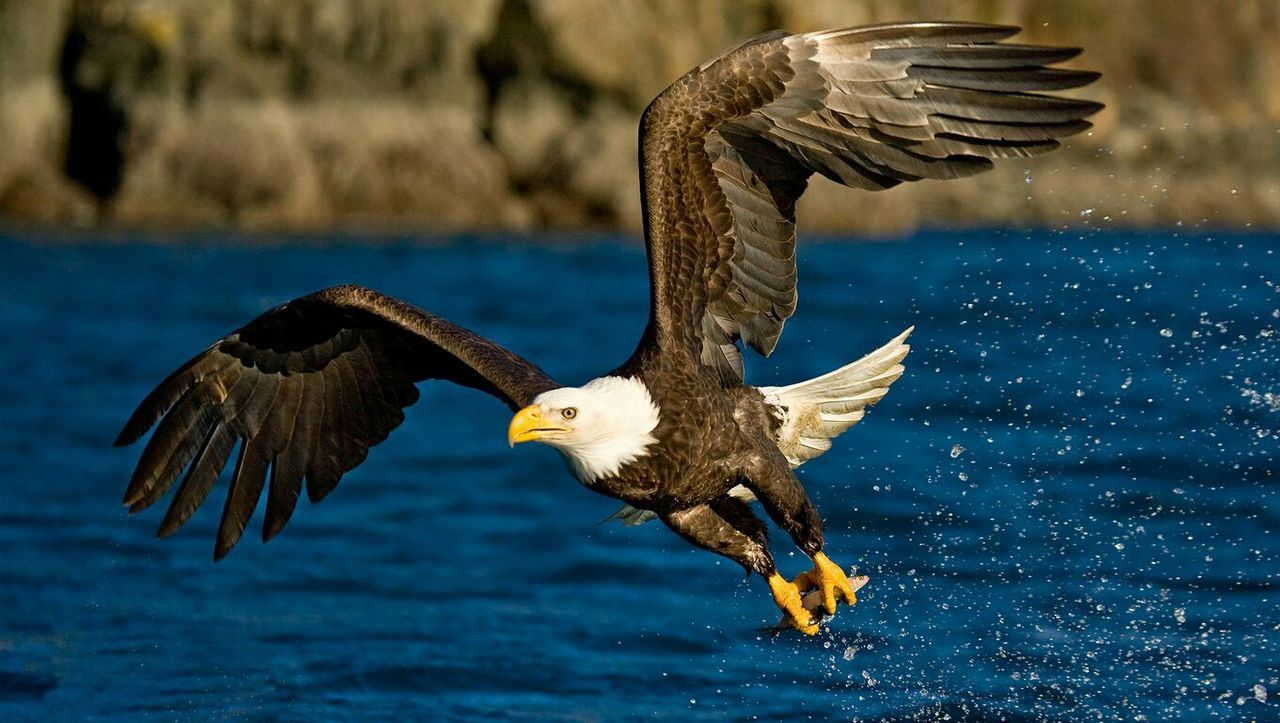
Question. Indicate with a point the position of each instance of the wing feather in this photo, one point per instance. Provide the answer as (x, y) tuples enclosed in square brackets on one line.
[(306, 389), (198, 483), (290, 464), (326, 466), (242, 494), (199, 433), (169, 449), (727, 150)]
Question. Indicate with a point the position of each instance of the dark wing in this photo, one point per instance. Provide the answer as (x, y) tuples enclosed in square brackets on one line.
[(727, 150), (306, 389)]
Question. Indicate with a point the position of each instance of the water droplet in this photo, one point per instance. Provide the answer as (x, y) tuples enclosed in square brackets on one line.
[(1166, 332), (956, 451)]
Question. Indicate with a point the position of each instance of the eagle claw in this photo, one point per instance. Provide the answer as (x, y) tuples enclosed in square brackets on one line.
[(829, 580), (787, 597)]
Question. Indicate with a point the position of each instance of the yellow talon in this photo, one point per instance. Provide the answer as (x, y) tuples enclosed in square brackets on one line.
[(830, 580), (787, 596)]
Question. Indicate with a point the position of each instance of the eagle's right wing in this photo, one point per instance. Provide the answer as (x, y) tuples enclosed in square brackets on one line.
[(306, 388)]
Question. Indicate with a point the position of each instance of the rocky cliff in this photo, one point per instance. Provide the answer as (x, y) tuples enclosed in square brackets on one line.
[(308, 114)]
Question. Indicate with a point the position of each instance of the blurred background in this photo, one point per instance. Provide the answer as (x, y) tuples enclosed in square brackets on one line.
[(313, 115)]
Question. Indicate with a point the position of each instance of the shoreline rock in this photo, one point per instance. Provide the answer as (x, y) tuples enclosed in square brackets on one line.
[(303, 115)]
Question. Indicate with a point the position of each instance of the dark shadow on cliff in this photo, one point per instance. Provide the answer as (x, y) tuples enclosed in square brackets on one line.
[(95, 154)]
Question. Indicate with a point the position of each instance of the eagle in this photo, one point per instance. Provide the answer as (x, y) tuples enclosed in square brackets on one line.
[(675, 433)]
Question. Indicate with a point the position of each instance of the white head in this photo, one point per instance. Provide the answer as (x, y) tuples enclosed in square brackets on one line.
[(598, 427)]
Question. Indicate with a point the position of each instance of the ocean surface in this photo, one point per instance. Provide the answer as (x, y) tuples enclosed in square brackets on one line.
[(1068, 504)]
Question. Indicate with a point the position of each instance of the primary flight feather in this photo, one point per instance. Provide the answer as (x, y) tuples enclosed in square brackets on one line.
[(306, 389)]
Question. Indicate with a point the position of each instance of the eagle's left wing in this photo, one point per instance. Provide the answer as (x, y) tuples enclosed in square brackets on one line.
[(727, 150), (305, 390)]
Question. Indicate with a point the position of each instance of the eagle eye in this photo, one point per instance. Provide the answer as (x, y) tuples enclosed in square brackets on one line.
[(569, 412)]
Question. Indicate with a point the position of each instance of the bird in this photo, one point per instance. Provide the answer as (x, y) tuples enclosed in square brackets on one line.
[(302, 392)]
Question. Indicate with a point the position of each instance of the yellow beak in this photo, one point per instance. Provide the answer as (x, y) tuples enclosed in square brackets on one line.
[(528, 426)]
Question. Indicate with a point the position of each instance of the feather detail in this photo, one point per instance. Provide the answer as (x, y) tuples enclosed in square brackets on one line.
[(814, 412), (728, 149), (306, 389)]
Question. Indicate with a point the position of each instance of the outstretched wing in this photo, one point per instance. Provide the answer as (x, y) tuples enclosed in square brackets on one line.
[(727, 150), (306, 389)]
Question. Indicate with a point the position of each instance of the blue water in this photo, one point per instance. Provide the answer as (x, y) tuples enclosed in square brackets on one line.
[(1067, 506)]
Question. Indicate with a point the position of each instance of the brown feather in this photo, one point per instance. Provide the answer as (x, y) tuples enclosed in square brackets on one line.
[(727, 150), (306, 388)]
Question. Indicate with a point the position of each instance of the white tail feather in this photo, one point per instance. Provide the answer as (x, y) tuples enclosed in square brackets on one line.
[(816, 411)]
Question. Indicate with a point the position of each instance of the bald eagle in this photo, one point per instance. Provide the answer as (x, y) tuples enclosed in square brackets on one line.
[(307, 388)]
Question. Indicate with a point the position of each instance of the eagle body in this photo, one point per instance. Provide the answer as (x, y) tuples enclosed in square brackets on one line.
[(300, 394), (690, 468), (704, 446)]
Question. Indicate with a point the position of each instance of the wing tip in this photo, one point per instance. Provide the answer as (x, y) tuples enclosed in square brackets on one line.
[(225, 543), (173, 520), (1082, 78), (1086, 107), (271, 528), (133, 429), (136, 491), (167, 528)]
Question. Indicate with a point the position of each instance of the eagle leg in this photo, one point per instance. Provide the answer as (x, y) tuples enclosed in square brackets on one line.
[(785, 500), (829, 580), (787, 596), (726, 526)]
